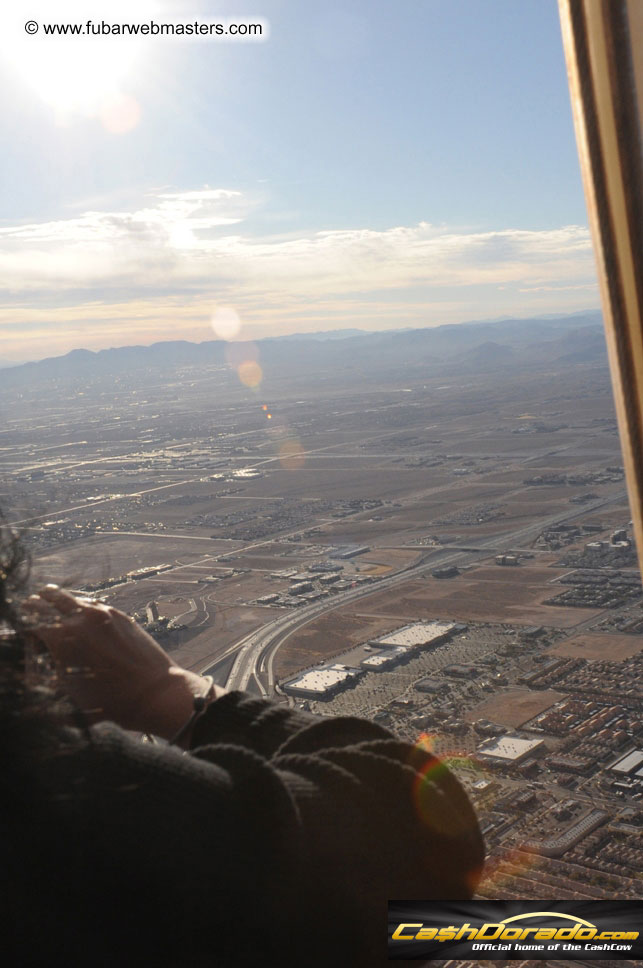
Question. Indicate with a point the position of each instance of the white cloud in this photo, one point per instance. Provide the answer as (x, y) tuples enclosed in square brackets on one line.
[(191, 250)]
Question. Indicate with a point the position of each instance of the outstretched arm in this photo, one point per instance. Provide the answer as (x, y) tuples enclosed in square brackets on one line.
[(282, 834), (111, 668)]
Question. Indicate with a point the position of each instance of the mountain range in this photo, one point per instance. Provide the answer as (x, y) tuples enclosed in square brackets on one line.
[(577, 338)]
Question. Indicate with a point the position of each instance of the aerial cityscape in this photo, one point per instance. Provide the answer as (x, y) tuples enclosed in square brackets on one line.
[(302, 369), (426, 528)]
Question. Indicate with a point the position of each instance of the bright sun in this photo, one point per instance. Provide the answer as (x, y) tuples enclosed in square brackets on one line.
[(79, 75)]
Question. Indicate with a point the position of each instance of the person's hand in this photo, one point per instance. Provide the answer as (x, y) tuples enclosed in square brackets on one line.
[(111, 668)]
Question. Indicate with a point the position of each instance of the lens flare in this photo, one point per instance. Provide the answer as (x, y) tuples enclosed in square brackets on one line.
[(501, 869), (291, 455), (264, 406), (225, 322), (250, 373), (436, 770), (426, 742), (120, 114), (244, 358), (430, 808)]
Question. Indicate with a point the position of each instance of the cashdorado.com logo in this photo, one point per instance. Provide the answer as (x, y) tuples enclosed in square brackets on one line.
[(516, 930)]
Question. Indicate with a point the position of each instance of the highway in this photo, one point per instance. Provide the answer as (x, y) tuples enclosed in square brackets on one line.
[(253, 665)]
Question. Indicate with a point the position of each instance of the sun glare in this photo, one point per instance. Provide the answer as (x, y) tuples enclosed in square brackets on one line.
[(82, 75)]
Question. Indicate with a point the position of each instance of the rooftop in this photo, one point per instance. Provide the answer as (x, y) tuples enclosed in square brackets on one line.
[(420, 633), (629, 762), (319, 680), (509, 747), (383, 658)]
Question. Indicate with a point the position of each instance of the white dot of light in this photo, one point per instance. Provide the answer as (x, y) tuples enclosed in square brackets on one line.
[(82, 75), (120, 113), (225, 322)]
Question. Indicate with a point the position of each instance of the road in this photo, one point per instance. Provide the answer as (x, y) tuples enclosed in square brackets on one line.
[(255, 652)]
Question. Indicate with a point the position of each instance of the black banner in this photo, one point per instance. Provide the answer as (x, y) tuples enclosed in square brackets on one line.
[(516, 930)]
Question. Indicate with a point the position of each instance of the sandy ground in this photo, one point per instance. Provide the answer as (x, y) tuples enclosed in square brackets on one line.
[(513, 707), (112, 555), (488, 594), (614, 648), (325, 638)]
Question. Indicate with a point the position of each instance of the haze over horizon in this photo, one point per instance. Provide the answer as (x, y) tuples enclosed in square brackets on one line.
[(376, 168), (487, 342)]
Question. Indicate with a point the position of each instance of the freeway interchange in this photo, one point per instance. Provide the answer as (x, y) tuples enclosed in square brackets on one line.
[(253, 665)]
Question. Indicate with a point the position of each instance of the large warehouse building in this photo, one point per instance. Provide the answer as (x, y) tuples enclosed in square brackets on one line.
[(418, 635), (326, 680), (322, 682), (510, 750), (384, 659)]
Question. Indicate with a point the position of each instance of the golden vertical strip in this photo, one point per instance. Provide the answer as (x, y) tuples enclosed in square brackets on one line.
[(598, 52)]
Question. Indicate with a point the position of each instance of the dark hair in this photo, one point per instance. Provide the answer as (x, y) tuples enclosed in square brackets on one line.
[(32, 736), (14, 573), (30, 711)]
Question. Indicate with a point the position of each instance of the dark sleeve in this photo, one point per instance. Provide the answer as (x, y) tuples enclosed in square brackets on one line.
[(278, 839), (380, 818)]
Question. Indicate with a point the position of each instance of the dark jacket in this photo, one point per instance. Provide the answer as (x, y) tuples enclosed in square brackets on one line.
[(277, 840)]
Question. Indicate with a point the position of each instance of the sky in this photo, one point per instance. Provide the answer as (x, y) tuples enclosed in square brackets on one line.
[(376, 164)]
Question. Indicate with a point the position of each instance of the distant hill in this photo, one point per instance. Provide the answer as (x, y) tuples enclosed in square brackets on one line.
[(591, 347), (324, 334), (502, 343), (489, 354)]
